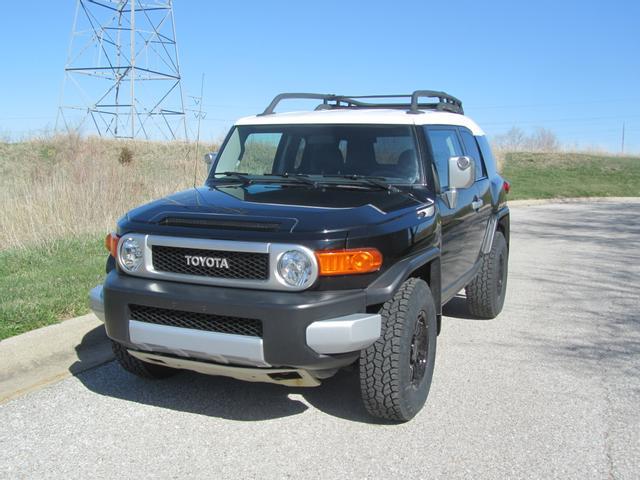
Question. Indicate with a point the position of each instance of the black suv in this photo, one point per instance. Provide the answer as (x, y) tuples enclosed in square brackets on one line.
[(320, 240)]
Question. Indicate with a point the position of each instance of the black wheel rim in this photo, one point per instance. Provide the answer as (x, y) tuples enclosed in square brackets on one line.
[(419, 350)]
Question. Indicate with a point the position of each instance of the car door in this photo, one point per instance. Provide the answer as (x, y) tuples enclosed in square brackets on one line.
[(482, 192), (458, 226)]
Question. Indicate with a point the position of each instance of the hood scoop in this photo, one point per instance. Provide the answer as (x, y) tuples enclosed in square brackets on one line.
[(220, 224)]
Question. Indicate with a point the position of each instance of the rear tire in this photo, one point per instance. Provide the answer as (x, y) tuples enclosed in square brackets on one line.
[(485, 294), (139, 368), (396, 371)]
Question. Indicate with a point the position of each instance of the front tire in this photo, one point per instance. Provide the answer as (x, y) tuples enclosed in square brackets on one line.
[(485, 294), (139, 368), (396, 371)]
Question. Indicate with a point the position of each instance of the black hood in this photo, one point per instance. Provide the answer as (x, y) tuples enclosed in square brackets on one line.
[(292, 208)]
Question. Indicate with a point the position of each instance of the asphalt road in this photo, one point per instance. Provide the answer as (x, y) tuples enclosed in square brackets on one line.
[(550, 389)]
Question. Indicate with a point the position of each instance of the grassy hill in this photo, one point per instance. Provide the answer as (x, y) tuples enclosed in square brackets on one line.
[(551, 175)]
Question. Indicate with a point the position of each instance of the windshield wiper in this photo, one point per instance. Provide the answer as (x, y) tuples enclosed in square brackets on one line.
[(372, 181), (236, 176), (296, 177)]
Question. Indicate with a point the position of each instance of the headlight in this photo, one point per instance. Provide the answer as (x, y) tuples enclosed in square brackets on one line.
[(295, 268), (130, 254)]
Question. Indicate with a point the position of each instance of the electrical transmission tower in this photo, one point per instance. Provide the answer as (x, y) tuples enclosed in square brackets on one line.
[(122, 76)]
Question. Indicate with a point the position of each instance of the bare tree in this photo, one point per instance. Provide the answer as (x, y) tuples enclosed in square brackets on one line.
[(516, 140), (543, 140), (513, 140)]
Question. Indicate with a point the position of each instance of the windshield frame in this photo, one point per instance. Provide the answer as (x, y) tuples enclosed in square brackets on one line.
[(422, 180)]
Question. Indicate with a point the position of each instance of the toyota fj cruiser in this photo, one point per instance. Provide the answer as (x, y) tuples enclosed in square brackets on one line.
[(320, 240)]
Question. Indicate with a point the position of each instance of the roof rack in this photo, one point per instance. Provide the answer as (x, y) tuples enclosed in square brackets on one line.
[(445, 102)]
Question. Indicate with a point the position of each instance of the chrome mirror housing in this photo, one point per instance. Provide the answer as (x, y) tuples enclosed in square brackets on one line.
[(462, 174), (210, 158)]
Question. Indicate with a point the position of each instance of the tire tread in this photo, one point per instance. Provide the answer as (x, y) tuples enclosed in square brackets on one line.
[(380, 381), (481, 294), (137, 367)]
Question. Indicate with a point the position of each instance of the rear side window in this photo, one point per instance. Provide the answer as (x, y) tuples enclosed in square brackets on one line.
[(487, 156), (444, 144), (471, 146)]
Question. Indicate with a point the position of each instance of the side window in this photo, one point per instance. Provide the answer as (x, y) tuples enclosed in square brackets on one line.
[(229, 159), (487, 156), (444, 144), (259, 153), (471, 146), (298, 160)]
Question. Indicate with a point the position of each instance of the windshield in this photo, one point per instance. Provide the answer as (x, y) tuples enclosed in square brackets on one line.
[(321, 151)]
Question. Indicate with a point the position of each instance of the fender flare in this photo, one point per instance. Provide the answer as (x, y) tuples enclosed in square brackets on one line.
[(492, 227), (386, 285)]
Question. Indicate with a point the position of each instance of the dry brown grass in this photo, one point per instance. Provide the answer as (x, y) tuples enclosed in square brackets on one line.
[(64, 185), (499, 154), (56, 187)]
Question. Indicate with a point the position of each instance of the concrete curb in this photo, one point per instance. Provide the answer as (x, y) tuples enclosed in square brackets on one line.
[(546, 201), (49, 354)]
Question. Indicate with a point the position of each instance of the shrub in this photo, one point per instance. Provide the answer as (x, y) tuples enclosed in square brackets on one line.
[(126, 156)]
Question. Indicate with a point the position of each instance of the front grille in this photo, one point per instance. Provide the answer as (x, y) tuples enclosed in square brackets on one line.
[(197, 321), (241, 265)]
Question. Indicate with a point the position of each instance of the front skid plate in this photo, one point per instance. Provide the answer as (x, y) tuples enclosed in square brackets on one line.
[(239, 373)]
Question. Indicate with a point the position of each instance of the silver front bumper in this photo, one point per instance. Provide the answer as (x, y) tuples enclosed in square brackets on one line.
[(217, 347), (96, 302), (344, 334), (337, 335)]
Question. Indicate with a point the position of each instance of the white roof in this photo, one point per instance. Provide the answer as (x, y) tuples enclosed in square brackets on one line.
[(364, 116)]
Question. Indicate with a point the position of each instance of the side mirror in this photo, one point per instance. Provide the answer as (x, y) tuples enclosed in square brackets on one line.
[(462, 174), (209, 158)]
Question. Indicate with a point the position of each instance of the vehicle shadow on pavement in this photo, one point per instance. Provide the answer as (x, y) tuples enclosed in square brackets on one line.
[(219, 396), (457, 308), (93, 350)]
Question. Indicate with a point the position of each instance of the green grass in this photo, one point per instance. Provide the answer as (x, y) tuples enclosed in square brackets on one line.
[(551, 175), (43, 285)]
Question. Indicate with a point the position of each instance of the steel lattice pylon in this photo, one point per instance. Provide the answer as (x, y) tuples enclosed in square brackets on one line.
[(122, 76)]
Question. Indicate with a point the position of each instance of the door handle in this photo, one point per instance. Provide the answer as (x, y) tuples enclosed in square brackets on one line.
[(477, 203)]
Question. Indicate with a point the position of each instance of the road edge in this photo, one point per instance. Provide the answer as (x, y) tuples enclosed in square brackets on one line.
[(49, 354), (545, 201)]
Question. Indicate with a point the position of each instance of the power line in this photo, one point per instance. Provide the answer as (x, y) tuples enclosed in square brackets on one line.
[(562, 120), (49, 117), (558, 104)]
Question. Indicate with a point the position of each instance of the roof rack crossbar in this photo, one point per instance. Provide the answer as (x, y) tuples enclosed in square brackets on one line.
[(445, 101), (297, 96)]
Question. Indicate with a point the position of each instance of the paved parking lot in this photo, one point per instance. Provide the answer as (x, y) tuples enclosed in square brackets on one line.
[(550, 389)]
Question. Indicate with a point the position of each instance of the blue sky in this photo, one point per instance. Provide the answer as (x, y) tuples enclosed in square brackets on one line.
[(570, 66)]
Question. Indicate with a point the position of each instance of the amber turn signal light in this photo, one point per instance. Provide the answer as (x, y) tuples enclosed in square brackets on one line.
[(350, 261), (111, 244)]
